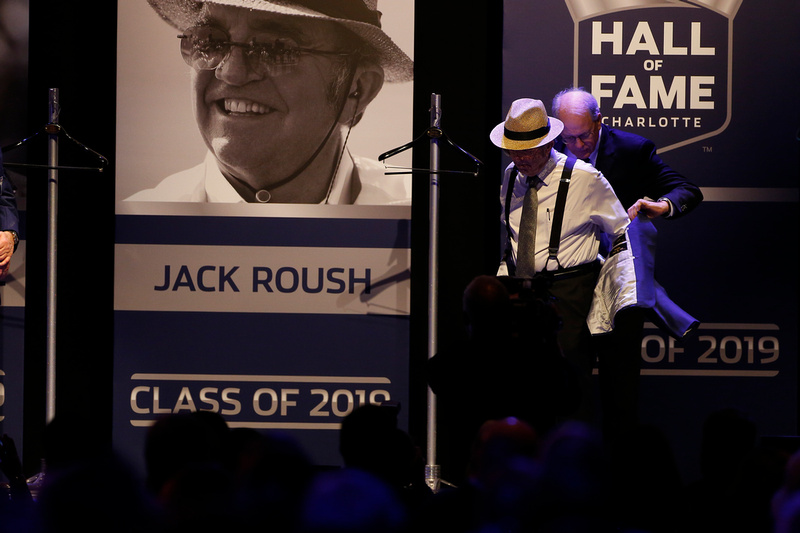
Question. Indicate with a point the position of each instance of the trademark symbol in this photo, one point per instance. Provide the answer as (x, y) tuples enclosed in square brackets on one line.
[(708, 149)]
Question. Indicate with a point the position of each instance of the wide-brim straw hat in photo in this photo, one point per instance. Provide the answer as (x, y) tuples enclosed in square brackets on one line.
[(526, 126), (359, 16)]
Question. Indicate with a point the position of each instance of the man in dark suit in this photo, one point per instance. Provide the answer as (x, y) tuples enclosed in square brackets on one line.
[(646, 186), (9, 222), (642, 181)]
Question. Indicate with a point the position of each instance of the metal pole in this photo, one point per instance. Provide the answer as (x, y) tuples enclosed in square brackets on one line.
[(432, 469), (52, 224)]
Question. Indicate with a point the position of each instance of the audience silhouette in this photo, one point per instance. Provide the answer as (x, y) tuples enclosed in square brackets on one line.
[(271, 475), (498, 489), (520, 463), (352, 500), (370, 440), (645, 481), (574, 490), (785, 503), (203, 476), (508, 365), (16, 502), (84, 485)]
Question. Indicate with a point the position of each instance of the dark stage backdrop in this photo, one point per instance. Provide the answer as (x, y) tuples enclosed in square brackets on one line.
[(729, 263), (693, 77)]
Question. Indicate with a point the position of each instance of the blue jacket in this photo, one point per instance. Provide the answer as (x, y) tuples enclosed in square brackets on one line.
[(9, 217), (633, 168), (626, 280)]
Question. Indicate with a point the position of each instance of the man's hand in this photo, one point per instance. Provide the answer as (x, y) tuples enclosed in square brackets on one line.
[(651, 209), (6, 251)]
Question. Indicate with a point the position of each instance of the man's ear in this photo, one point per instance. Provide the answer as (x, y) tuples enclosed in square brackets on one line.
[(366, 85)]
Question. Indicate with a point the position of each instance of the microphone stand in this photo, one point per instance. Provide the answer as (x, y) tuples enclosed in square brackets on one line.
[(434, 134), (52, 251), (432, 469), (53, 130)]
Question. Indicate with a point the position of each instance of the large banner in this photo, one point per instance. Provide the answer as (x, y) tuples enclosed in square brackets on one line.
[(280, 314), (690, 76), (157, 132), (13, 106)]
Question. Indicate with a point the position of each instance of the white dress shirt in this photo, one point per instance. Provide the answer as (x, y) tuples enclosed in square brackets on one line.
[(591, 209), (358, 181), (593, 160)]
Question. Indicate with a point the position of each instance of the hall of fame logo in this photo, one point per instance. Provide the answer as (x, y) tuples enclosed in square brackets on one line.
[(658, 68)]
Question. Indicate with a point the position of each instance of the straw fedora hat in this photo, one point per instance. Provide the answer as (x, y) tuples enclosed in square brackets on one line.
[(359, 16), (526, 126)]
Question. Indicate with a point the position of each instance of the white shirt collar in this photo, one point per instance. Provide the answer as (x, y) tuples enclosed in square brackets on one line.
[(219, 189), (544, 173)]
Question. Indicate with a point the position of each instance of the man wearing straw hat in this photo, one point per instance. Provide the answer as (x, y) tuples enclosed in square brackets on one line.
[(589, 212), (277, 87)]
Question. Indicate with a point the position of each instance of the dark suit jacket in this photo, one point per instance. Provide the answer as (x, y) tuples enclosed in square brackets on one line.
[(9, 217), (633, 168)]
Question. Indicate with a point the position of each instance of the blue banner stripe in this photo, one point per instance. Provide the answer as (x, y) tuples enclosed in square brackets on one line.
[(263, 231), (274, 344)]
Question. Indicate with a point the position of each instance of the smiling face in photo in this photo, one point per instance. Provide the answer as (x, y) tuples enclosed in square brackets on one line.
[(263, 126)]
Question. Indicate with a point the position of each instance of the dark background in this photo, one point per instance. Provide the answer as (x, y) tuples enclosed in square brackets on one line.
[(73, 48), (459, 55), (728, 263)]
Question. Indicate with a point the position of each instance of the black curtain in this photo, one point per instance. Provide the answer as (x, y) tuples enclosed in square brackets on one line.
[(72, 48)]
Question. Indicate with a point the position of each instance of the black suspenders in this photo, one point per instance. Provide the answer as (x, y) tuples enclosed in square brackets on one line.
[(558, 216)]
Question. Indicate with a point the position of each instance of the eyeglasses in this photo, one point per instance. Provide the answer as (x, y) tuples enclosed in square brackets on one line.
[(206, 48), (570, 139)]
